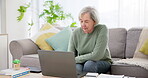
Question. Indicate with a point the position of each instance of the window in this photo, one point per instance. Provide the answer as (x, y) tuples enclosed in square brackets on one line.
[(113, 13)]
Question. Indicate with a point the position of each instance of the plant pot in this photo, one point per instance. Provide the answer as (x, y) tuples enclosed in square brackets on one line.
[(16, 66)]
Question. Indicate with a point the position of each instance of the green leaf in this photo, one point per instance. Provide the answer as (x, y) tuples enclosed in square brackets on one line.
[(57, 7), (31, 24), (41, 15), (16, 61), (22, 10), (73, 24), (19, 18), (46, 11), (53, 12)]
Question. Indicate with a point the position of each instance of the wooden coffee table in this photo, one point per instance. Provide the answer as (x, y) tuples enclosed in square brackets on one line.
[(38, 75)]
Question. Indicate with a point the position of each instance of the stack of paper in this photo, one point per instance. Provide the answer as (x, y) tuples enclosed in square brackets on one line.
[(110, 76), (91, 75)]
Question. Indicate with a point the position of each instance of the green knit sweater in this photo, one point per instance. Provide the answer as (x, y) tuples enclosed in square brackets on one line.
[(92, 46)]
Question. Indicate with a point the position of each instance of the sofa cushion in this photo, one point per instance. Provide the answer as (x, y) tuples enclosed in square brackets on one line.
[(142, 38), (131, 41), (31, 60), (45, 32), (129, 70), (59, 42), (117, 41), (144, 48), (116, 59)]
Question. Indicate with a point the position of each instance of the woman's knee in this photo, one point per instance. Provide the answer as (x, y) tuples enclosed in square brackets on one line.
[(99, 66), (103, 66), (90, 66), (79, 67)]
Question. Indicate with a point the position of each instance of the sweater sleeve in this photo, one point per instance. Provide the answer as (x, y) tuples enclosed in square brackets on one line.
[(99, 49), (71, 46)]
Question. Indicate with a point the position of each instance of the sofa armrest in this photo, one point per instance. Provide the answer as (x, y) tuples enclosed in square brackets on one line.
[(18, 48)]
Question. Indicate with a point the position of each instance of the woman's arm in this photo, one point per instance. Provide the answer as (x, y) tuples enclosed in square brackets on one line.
[(71, 46)]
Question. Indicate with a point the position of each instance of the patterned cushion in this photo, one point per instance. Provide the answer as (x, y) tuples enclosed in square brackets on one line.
[(144, 48), (45, 32)]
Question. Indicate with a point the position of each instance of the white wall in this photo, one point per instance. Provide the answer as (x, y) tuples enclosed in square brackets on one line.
[(146, 13), (3, 52), (0, 14), (14, 29)]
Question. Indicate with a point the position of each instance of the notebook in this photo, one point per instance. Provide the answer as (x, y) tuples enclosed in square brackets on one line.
[(58, 64)]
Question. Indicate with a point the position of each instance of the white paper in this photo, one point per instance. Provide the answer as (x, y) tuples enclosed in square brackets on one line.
[(110, 76), (91, 75)]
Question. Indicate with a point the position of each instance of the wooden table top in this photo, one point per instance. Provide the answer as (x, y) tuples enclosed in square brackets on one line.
[(38, 75)]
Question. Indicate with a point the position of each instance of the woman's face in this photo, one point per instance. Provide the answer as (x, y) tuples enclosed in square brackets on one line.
[(87, 24)]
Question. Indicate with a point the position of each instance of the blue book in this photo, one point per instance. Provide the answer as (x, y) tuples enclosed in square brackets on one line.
[(12, 73)]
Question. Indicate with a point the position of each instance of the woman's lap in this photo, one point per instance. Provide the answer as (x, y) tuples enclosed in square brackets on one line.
[(93, 66)]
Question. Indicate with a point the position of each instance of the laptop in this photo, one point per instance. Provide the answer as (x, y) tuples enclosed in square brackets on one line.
[(58, 64)]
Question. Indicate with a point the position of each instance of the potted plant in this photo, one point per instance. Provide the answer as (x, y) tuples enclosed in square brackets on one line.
[(52, 13)]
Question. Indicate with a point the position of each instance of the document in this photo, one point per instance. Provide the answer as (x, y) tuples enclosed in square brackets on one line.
[(110, 76), (91, 75)]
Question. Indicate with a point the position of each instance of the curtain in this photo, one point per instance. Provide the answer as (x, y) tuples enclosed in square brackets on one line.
[(112, 13), (132, 13)]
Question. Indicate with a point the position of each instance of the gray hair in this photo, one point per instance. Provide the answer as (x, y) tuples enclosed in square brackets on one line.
[(92, 11)]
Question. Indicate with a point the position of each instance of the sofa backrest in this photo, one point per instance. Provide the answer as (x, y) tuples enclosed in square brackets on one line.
[(131, 41), (123, 43), (117, 42)]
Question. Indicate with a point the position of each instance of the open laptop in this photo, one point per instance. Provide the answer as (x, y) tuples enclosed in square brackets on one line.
[(58, 64)]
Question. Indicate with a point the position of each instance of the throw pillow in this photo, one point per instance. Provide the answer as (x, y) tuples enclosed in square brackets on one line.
[(59, 42), (142, 38), (46, 26), (144, 48), (45, 32)]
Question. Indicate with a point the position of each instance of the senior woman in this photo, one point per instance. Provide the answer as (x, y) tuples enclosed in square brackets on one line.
[(90, 43)]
